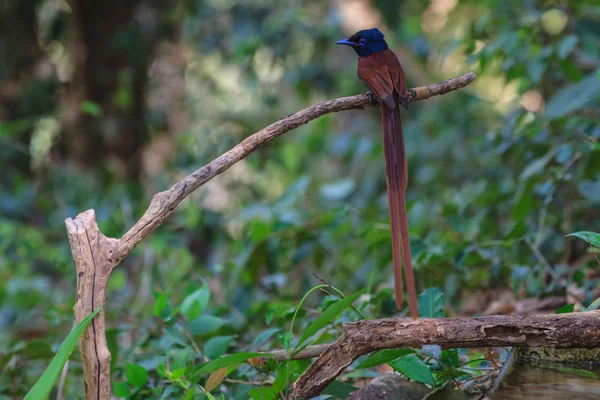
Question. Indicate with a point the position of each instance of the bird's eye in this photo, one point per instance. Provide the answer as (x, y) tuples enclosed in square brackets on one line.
[(362, 41)]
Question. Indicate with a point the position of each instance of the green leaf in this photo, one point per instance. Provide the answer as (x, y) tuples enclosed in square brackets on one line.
[(573, 97), (5, 359), (120, 390), (517, 231), (44, 385), (282, 377), (36, 350), (536, 68), (91, 108), (227, 361), (590, 237), (537, 165), (259, 231), (414, 368), (339, 390), (567, 45), (191, 394), (14, 128), (136, 375), (565, 309), (263, 393), (193, 310), (590, 189), (450, 357), (177, 374), (173, 334), (162, 308), (431, 303), (206, 324), (193, 305), (383, 356), (594, 305), (523, 206), (264, 337), (571, 69), (449, 373), (327, 317), (217, 346)]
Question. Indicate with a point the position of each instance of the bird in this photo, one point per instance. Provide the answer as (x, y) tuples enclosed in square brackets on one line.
[(381, 72)]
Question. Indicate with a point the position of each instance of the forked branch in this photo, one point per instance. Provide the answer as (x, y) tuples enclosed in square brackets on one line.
[(96, 255)]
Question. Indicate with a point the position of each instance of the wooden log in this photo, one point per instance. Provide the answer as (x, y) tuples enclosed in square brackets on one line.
[(572, 330)]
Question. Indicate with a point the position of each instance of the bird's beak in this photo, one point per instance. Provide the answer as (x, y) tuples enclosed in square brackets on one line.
[(346, 42)]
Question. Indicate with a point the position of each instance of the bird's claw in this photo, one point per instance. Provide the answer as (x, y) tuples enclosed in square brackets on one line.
[(370, 96)]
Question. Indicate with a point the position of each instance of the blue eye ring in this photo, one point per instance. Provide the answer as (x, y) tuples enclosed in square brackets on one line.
[(362, 42)]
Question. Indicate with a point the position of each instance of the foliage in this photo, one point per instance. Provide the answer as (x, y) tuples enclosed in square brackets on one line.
[(44, 385), (592, 238), (414, 368), (499, 174), (431, 303)]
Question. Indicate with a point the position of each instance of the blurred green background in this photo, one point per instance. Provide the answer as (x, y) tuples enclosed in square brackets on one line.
[(103, 104)]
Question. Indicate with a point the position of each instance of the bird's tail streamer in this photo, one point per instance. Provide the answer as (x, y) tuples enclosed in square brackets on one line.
[(397, 181)]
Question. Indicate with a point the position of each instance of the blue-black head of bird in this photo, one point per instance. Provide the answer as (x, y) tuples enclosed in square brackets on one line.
[(365, 42)]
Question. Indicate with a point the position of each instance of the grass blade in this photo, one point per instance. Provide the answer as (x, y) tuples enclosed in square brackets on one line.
[(44, 385), (327, 317)]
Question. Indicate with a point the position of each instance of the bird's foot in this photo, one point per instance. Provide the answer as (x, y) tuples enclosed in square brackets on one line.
[(404, 102), (371, 98)]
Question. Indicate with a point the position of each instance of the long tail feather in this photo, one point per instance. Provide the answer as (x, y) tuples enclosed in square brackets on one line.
[(397, 181)]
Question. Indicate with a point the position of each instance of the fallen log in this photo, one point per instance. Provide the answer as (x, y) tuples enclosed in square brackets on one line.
[(572, 330)]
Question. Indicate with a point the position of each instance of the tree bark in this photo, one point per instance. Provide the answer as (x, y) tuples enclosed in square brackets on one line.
[(93, 255), (573, 330), (20, 55), (94, 260), (111, 45)]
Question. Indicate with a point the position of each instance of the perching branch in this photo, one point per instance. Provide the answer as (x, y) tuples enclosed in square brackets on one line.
[(573, 330), (164, 203), (96, 255), (282, 355)]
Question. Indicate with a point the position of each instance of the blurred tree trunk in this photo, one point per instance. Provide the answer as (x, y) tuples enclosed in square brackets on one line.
[(21, 87), (111, 45)]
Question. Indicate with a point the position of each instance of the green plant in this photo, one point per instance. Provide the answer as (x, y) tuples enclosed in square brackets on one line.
[(44, 385)]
